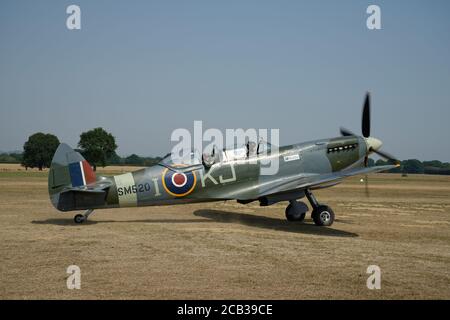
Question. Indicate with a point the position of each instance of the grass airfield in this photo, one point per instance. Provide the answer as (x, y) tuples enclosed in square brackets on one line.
[(225, 250)]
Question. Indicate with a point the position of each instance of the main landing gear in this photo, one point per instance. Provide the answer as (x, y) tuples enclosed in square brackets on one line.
[(296, 211), (80, 218), (322, 215)]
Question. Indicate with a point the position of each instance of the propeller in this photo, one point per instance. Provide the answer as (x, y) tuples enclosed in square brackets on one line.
[(373, 144), (365, 128)]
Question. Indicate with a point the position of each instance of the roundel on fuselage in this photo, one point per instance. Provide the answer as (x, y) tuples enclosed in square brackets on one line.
[(178, 184)]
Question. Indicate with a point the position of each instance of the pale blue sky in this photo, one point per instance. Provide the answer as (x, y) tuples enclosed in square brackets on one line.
[(141, 69)]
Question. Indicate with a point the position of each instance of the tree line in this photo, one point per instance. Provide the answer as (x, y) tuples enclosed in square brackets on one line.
[(99, 148), (416, 166)]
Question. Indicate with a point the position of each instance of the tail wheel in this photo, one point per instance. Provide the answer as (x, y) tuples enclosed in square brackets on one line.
[(323, 216), (79, 218)]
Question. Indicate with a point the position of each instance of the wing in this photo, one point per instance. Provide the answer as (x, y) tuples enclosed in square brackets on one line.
[(316, 181)]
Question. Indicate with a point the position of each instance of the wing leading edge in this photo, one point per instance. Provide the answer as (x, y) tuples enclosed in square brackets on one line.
[(315, 181)]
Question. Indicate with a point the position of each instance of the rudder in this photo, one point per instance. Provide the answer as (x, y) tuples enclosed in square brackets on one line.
[(68, 170)]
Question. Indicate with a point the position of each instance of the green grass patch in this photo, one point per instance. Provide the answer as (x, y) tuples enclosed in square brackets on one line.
[(43, 174), (23, 174)]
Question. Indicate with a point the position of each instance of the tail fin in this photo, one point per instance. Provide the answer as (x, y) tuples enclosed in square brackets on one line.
[(68, 170)]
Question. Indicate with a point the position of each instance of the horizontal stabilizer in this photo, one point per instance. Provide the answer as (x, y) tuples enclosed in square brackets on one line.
[(81, 199)]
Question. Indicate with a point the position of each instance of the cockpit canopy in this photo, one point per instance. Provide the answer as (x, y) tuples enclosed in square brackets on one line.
[(192, 160), (185, 161)]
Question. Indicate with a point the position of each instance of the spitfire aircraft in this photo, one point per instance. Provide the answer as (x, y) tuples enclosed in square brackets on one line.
[(227, 174)]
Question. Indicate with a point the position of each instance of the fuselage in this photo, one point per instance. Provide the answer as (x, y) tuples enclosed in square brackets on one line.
[(240, 179)]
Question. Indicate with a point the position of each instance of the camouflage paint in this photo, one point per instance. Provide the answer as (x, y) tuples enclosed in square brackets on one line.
[(237, 179)]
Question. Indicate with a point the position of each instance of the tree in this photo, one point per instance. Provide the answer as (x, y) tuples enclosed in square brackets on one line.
[(6, 158), (380, 162), (412, 166), (114, 159), (148, 162), (433, 163), (38, 150), (134, 159), (17, 156), (97, 146)]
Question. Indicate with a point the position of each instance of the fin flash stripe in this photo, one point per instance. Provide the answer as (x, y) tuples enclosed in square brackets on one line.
[(81, 173)]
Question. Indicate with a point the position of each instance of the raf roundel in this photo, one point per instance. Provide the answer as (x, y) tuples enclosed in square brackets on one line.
[(179, 180), (178, 184)]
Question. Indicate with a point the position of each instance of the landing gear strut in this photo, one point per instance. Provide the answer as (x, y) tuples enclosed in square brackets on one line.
[(296, 211), (80, 218), (322, 214)]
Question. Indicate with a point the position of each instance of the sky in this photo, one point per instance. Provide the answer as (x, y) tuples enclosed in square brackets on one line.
[(141, 69)]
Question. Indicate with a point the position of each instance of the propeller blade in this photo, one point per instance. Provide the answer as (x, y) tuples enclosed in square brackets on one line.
[(366, 117), (387, 156), (346, 132), (366, 185), (366, 178)]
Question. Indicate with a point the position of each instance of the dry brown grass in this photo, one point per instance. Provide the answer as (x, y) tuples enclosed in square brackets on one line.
[(227, 250), (15, 167)]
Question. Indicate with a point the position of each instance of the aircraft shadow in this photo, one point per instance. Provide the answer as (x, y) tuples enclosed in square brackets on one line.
[(70, 223), (223, 217), (271, 223)]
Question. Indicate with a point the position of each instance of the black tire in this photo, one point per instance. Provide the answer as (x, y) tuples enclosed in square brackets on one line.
[(323, 215), (79, 218), (293, 215)]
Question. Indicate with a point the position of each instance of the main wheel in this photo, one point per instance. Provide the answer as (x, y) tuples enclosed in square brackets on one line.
[(294, 213), (79, 218), (323, 216)]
